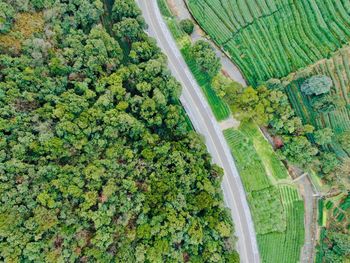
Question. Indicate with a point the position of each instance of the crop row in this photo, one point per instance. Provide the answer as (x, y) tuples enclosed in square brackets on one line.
[(337, 68), (285, 246), (218, 106), (277, 211), (249, 163), (270, 39)]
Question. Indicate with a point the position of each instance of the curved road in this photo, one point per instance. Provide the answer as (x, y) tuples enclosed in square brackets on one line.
[(204, 122)]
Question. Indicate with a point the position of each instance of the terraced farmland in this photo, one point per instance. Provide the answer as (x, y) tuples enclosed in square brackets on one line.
[(285, 247), (277, 208), (338, 69), (272, 38)]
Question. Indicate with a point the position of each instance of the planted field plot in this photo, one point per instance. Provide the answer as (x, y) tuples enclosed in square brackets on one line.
[(335, 222), (285, 247), (338, 119), (272, 38), (218, 106), (251, 168), (277, 209), (273, 166)]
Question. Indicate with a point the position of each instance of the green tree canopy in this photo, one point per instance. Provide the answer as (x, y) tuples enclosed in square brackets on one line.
[(317, 85), (323, 136), (187, 25), (205, 57), (6, 16), (97, 162)]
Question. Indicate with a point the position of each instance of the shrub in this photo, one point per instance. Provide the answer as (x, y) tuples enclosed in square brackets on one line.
[(344, 139), (323, 136), (205, 57), (317, 85), (327, 103), (187, 26)]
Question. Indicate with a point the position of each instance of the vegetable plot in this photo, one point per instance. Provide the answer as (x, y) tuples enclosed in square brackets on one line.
[(272, 38)]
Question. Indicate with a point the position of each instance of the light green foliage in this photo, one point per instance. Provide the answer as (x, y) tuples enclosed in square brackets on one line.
[(323, 136), (204, 55), (249, 104), (97, 161), (277, 210), (221, 83), (344, 139), (268, 211), (272, 164), (285, 247), (341, 175), (328, 162), (248, 161), (316, 85)]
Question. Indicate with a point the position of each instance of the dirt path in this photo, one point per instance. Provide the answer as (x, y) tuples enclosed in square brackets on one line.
[(229, 123), (310, 201)]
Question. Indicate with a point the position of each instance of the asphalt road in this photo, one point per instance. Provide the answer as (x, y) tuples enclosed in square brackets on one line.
[(204, 122)]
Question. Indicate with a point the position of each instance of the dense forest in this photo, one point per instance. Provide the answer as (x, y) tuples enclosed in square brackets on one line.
[(97, 161)]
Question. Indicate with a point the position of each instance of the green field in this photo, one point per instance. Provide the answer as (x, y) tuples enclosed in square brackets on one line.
[(219, 107), (276, 206), (338, 69), (272, 38), (334, 214), (288, 40)]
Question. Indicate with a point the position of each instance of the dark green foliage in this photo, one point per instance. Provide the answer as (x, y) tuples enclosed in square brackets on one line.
[(218, 106), (96, 161), (329, 204), (335, 246), (204, 55), (164, 8), (320, 211), (6, 16), (326, 103), (187, 26)]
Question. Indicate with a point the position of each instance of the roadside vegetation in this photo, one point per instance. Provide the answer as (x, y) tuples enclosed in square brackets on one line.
[(318, 120), (301, 49), (200, 58), (97, 161), (277, 208)]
